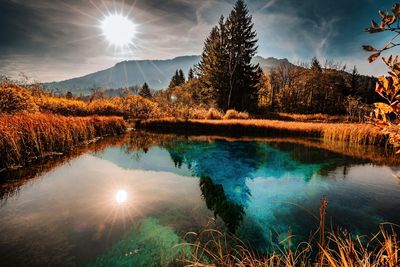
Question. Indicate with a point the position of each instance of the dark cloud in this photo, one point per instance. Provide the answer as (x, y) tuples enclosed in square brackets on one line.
[(58, 39)]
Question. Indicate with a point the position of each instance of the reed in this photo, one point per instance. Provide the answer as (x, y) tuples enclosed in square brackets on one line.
[(334, 249), (347, 133), (354, 133), (24, 138), (215, 248)]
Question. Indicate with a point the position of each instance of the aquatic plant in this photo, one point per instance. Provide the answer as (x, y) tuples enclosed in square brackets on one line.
[(151, 244)]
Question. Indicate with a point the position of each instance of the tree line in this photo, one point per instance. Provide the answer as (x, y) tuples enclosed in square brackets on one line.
[(227, 79)]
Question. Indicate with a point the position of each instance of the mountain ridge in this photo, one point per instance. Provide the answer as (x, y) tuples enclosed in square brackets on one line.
[(157, 73)]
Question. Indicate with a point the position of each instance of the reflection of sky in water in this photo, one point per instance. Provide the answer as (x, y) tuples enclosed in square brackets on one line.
[(123, 207)]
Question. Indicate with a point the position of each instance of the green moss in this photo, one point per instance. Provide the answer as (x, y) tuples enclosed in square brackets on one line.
[(151, 245)]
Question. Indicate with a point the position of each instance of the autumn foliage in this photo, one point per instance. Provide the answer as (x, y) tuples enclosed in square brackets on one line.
[(15, 99), (387, 114)]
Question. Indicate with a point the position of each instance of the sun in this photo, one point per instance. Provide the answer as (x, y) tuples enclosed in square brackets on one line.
[(118, 30), (121, 196)]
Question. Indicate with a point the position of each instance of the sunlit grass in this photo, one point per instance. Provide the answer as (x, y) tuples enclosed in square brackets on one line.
[(348, 133), (27, 137), (336, 248)]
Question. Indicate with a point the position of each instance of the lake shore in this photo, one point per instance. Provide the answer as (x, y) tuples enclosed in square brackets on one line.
[(29, 137), (348, 133)]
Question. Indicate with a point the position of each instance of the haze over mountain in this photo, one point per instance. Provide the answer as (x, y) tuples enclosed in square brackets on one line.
[(157, 73)]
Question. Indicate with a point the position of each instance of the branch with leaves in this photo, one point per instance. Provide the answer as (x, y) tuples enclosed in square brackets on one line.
[(388, 87)]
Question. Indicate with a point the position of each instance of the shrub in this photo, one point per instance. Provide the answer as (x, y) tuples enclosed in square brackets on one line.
[(15, 99), (138, 107), (106, 107), (232, 114), (62, 106), (198, 113), (214, 114)]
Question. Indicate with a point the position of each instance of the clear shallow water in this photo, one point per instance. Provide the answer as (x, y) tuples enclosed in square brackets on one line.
[(131, 201)]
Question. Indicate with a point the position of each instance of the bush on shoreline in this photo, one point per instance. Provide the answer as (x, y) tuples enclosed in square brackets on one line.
[(232, 114), (15, 99)]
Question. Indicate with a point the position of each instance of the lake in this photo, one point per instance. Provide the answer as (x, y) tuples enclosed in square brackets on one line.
[(130, 201)]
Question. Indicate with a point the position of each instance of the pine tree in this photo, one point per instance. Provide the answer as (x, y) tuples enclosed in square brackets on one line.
[(145, 91), (190, 74), (213, 71), (315, 65), (354, 82), (226, 65), (174, 80), (242, 47), (177, 79), (182, 78)]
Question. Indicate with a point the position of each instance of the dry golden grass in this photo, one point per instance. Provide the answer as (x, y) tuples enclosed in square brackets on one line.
[(324, 249), (27, 137), (213, 114), (214, 248), (62, 106), (312, 117), (232, 114), (15, 99), (354, 133), (348, 133)]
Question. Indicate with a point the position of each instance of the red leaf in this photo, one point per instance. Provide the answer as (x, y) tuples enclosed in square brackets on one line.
[(379, 89)]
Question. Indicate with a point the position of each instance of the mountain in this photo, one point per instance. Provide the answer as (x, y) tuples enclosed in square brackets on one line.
[(157, 73), (268, 64)]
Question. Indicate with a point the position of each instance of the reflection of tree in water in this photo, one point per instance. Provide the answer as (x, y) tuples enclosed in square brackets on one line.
[(216, 200), (226, 163), (225, 169)]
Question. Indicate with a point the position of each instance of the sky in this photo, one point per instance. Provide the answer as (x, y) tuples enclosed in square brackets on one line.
[(52, 40)]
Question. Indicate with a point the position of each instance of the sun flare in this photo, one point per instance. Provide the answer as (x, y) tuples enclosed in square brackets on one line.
[(118, 30), (121, 196)]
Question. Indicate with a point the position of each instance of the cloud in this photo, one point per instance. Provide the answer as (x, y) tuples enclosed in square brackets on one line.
[(58, 39), (269, 4)]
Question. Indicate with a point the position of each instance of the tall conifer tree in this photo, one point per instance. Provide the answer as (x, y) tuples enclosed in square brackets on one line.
[(212, 69), (145, 91), (226, 65), (177, 79), (242, 47), (182, 78), (190, 74)]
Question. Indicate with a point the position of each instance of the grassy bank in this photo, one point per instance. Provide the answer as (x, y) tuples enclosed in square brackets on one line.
[(324, 248), (331, 249), (348, 133), (25, 138)]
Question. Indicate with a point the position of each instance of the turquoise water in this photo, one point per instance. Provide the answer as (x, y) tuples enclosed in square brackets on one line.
[(133, 201)]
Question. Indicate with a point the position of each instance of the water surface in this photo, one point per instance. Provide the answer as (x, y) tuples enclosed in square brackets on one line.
[(130, 201)]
